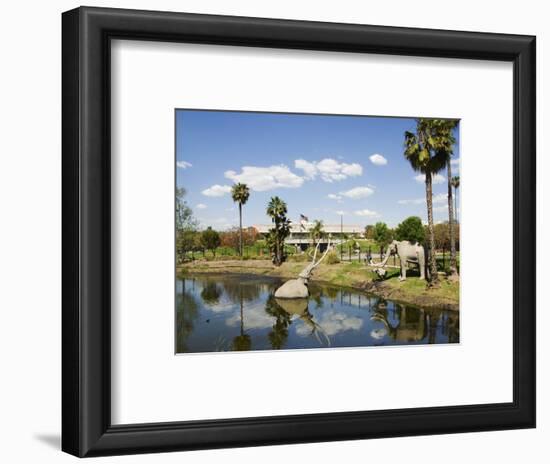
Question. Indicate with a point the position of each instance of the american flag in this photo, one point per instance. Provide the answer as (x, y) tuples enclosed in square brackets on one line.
[(303, 221)]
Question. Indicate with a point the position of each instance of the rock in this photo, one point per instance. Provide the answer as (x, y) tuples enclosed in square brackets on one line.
[(295, 288)]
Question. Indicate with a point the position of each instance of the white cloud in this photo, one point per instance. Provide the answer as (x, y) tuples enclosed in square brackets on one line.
[(201, 206), (217, 191), (378, 160), (328, 169), (340, 213), (438, 198), (365, 212), (437, 179), (455, 162), (416, 201), (261, 179), (310, 170), (440, 209), (183, 164), (357, 193)]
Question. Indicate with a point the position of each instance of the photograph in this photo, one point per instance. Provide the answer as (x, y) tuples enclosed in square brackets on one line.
[(315, 231)]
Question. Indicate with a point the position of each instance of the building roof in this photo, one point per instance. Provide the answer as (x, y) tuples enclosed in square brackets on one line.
[(296, 228)]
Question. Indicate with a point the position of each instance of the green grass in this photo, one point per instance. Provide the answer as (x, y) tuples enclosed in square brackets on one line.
[(347, 274)]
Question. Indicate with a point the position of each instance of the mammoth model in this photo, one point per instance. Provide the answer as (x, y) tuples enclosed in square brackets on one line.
[(297, 288), (408, 253)]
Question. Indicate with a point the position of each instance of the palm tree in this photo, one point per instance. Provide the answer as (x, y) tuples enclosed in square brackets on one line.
[(316, 233), (240, 194), (277, 210), (427, 151), (455, 183), (452, 238)]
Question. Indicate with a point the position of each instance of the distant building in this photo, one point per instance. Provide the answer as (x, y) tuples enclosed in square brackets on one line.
[(300, 233)]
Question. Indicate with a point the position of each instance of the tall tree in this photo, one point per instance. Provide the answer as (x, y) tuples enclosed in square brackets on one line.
[(455, 183), (240, 194), (427, 152), (186, 226), (277, 210), (448, 141), (184, 215)]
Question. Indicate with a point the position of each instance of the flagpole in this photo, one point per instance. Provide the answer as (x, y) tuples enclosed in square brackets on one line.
[(300, 236), (341, 236)]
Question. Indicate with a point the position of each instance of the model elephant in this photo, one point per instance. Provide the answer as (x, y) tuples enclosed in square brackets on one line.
[(408, 253)]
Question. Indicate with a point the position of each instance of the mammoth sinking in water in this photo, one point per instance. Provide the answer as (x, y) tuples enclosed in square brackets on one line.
[(297, 288), (408, 253)]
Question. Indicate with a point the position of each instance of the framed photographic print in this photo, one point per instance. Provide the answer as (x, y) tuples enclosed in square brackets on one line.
[(284, 231)]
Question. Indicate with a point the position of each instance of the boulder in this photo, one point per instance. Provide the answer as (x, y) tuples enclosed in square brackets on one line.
[(295, 288)]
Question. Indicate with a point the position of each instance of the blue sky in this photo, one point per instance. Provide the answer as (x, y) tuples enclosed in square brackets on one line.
[(321, 166)]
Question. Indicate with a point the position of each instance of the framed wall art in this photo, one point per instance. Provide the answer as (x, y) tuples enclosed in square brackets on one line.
[(284, 231)]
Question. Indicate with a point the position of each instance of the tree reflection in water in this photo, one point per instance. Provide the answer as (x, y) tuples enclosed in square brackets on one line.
[(242, 342), (187, 311), (240, 313), (279, 332), (415, 324), (211, 293)]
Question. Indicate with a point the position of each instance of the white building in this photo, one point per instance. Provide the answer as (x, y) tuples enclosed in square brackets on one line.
[(300, 233)]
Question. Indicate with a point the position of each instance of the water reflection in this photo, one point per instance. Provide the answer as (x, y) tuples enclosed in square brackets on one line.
[(240, 313)]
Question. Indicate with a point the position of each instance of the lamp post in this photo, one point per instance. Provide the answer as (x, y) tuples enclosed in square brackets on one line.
[(341, 237)]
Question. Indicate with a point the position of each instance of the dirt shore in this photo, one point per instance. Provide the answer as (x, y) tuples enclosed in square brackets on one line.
[(354, 275)]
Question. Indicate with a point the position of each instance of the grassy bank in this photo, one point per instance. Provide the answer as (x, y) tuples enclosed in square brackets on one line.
[(355, 275)]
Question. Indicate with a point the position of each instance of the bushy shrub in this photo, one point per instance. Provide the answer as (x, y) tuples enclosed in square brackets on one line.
[(332, 258), (299, 258)]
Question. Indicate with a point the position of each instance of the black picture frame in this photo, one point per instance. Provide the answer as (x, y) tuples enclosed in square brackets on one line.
[(86, 380)]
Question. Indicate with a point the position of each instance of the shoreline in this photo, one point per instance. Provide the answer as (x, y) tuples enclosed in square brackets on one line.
[(349, 275)]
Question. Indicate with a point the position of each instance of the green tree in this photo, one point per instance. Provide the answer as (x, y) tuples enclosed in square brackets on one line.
[(240, 194), (184, 214), (186, 226), (369, 232), (316, 232), (382, 235), (186, 240), (427, 151), (210, 240), (277, 210), (410, 229)]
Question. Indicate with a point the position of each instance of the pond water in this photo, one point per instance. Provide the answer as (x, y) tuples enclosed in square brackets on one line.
[(240, 313)]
